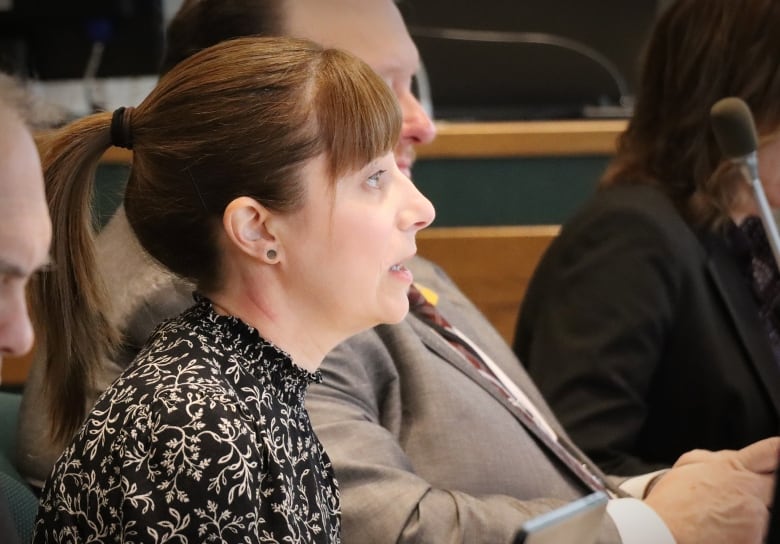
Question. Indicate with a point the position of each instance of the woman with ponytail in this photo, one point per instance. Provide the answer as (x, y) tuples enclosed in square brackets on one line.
[(263, 174)]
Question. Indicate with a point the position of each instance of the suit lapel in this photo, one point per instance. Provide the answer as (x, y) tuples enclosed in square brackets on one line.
[(455, 308), (439, 345), (742, 308), (436, 343), (460, 313)]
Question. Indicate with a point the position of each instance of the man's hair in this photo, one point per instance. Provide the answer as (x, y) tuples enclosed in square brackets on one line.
[(202, 23)]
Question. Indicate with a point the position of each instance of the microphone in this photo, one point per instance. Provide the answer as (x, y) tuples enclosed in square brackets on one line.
[(735, 133)]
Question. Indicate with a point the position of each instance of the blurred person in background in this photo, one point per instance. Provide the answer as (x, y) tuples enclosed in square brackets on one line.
[(25, 236), (652, 324)]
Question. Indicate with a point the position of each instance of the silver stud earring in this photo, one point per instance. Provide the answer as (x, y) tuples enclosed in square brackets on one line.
[(271, 254)]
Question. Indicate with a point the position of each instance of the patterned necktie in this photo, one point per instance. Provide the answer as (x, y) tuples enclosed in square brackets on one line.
[(751, 247), (422, 308)]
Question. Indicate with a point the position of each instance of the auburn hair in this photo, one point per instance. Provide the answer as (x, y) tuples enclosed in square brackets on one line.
[(240, 118)]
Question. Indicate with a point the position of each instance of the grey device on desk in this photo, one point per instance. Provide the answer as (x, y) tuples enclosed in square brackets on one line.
[(577, 522)]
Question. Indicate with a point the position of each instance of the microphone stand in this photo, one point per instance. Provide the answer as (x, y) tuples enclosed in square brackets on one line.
[(626, 104), (735, 132), (749, 168)]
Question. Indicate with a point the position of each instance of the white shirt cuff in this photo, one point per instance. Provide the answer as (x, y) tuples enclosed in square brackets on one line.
[(637, 523), (637, 486)]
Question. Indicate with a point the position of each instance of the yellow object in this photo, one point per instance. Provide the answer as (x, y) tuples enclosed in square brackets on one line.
[(430, 295)]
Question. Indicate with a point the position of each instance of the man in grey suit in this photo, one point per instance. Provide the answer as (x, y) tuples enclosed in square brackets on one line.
[(424, 451)]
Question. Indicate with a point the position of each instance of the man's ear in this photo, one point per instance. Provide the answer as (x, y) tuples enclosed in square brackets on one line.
[(245, 223)]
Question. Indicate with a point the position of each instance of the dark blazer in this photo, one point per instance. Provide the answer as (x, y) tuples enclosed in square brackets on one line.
[(644, 336)]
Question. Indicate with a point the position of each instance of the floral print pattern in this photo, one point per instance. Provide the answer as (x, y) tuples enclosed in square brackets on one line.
[(204, 438)]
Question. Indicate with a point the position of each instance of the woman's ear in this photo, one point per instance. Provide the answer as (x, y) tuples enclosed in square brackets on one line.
[(245, 221)]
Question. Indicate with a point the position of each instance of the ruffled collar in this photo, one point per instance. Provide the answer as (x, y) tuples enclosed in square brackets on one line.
[(243, 344)]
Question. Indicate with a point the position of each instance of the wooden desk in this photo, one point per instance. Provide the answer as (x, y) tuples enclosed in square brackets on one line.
[(502, 139), (15, 370), (491, 265), (523, 139)]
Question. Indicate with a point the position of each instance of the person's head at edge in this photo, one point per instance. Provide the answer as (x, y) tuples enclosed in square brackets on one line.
[(372, 30), (262, 172), (26, 230), (699, 52)]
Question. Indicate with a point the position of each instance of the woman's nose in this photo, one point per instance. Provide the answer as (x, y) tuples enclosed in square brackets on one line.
[(420, 211)]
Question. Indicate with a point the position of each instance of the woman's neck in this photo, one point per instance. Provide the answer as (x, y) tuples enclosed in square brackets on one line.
[(278, 322)]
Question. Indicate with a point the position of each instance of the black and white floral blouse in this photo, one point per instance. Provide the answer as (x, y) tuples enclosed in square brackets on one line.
[(204, 438)]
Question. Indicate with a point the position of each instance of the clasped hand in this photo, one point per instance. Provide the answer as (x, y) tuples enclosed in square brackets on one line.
[(721, 496)]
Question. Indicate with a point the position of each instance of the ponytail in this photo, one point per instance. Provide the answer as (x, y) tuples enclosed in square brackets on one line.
[(69, 302)]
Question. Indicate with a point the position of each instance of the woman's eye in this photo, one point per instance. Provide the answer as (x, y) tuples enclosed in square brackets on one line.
[(374, 179)]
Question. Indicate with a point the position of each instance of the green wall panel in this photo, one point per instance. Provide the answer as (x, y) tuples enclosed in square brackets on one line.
[(529, 191), (466, 192), (110, 182)]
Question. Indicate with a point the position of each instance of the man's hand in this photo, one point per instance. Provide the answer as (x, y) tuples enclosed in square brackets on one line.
[(719, 496)]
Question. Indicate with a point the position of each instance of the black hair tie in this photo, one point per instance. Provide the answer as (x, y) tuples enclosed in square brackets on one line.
[(121, 135)]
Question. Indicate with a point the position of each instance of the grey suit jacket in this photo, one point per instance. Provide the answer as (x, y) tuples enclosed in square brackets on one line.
[(423, 449)]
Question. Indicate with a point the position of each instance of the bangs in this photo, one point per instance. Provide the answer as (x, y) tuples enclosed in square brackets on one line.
[(358, 115)]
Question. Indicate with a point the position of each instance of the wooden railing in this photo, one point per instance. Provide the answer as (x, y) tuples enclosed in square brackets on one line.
[(523, 139), (503, 139), (491, 265)]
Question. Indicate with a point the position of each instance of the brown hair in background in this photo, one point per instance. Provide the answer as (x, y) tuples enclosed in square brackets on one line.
[(700, 51)]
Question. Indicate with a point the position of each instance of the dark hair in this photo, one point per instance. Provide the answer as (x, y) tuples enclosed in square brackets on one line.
[(699, 52), (237, 119), (202, 23)]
